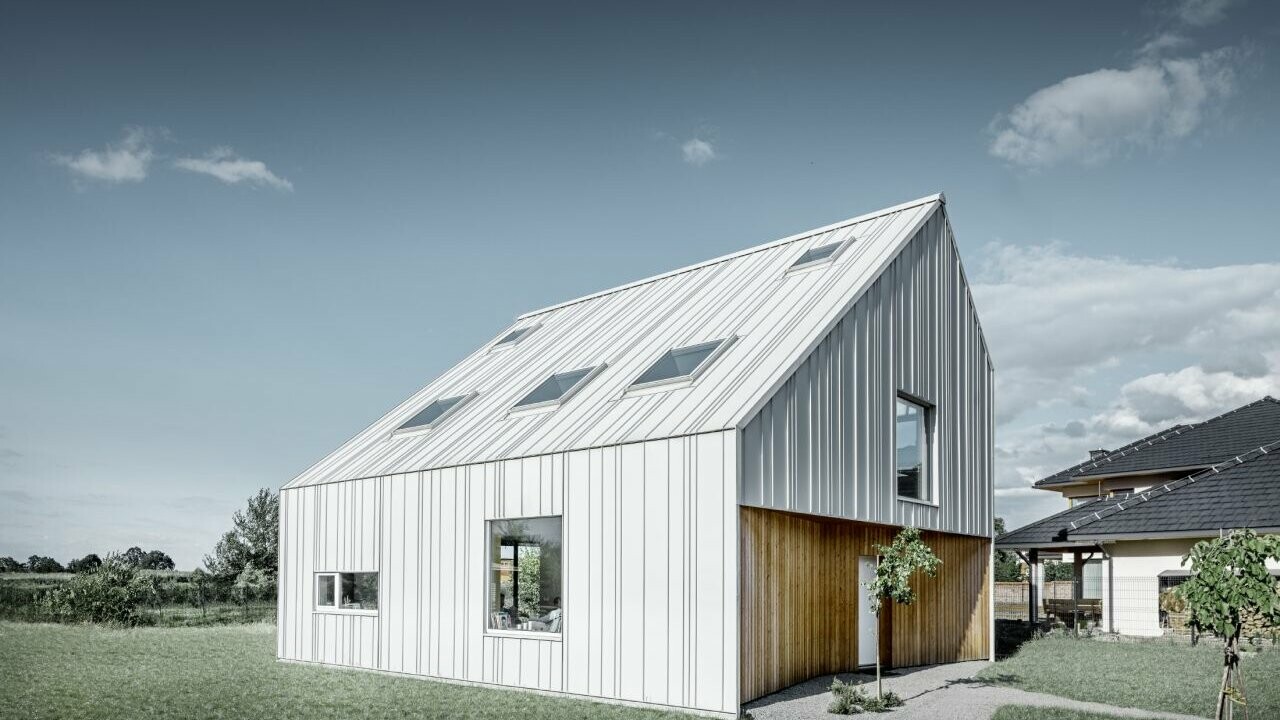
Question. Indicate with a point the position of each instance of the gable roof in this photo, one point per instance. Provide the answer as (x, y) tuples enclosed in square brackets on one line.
[(1183, 447), (1240, 492), (776, 316)]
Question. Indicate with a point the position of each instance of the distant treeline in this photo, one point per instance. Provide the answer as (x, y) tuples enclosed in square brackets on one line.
[(134, 557), (138, 587)]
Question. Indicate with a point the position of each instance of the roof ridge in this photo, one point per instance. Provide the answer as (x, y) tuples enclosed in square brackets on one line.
[(1166, 488), (1159, 436), (936, 197)]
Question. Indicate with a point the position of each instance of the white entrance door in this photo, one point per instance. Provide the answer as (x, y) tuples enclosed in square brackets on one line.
[(868, 628)]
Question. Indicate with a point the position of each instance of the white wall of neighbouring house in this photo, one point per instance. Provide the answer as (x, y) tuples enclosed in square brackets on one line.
[(1132, 584), (649, 570)]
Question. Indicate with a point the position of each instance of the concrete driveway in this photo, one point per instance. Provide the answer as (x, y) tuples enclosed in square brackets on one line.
[(933, 692)]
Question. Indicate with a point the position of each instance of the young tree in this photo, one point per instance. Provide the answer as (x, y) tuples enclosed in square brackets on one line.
[(254, 538), (1229, 581), (898, 562)]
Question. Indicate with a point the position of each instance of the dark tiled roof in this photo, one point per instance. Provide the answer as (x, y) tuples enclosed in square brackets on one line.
[(1185, 446), (1241, 492), (1054, 528)]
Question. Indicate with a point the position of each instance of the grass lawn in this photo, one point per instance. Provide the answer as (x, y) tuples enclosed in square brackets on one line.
[(1149, 675), (1029, 712), (69, 672)]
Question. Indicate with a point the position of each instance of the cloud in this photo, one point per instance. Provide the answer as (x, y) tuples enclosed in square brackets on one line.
[(126, 161), (698, 152), (1090, 118), (223, 164), (1163, 43), (1055, 320), (1200, 13), (1064, 327)]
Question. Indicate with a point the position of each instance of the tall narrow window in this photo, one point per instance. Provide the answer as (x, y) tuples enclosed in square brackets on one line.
[(524, 575), (913, 451)]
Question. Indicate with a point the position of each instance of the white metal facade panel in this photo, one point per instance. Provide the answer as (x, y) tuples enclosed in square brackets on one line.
[(777, 316), (824, 443), (650, 568)]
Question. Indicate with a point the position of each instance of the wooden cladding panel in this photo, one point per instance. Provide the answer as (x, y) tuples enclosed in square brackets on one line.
[(799, 600)]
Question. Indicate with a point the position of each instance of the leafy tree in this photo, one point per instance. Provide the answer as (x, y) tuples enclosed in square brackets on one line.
[(147, 559), (898, 562), (253, 539), (1229, 581), (84, 564), (156, 560), (1054, 570), (42, 564), (1008, 569), (8, 565)]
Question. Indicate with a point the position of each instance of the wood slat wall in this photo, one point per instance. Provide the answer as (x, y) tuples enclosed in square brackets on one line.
[(799, 595)]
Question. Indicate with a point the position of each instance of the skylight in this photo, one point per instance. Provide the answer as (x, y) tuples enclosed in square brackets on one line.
[(681, 364), (819, 254), (513, 337), (431, 415), (557, 388)]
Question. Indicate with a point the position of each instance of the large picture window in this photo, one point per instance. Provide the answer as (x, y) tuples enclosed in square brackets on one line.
[(347, 591), (913, 450), (524, 575)]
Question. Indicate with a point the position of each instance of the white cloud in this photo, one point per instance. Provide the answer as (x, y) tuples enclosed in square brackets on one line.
[(1201, 12), (1055, 320), (1062, 329), (1090, 118), (223, 164), (126, 161), (698, 152)]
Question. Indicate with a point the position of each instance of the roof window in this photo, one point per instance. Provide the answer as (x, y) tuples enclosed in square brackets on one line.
[(681, 365), (433, 414), (557, 388)]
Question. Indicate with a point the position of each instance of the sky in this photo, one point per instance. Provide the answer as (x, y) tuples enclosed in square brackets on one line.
[(233, 235)]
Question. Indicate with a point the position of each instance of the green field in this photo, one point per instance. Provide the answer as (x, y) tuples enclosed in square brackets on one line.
[(1156, 675), (73, 672)]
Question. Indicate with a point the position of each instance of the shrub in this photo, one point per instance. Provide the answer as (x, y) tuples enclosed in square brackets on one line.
[(114, 592)]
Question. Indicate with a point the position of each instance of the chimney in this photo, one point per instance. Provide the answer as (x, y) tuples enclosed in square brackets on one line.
[(1097, 454)]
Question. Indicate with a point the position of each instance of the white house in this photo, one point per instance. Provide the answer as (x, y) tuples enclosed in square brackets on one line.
[(665, 493), (1135, 511)]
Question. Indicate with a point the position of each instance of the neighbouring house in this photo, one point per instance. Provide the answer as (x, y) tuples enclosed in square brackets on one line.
[(1136, 511), (667, 493)]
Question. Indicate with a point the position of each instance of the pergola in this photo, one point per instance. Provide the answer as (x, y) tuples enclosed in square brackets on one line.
[(1030, 553)]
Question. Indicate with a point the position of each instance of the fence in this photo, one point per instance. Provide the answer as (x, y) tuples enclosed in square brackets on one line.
[(1138, 606)]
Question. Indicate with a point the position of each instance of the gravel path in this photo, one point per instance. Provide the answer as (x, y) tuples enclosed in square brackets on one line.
[(934, 692)]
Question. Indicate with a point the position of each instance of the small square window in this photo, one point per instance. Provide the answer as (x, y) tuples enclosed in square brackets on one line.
[(820, 254), (557, 388), (913, 451), (681, 364), (513, 337), (433, 414)]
